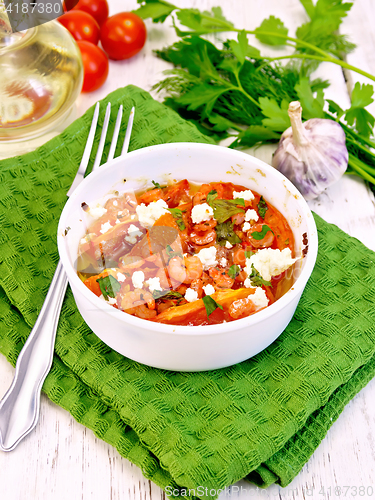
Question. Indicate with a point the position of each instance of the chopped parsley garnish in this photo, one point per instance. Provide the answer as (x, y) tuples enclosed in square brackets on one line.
[(109, 286), (177, 215), (211, 305), (234, 271), (225, 232), (156, 185), (248, 254), (224, 209), (259, 235), (256, 279), (170, 295), (262, 207), (171, 253)]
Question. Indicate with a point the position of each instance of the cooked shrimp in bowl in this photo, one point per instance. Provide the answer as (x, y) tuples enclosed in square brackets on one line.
[(187, 254)]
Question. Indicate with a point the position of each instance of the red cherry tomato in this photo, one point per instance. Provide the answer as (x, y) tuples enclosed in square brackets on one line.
[(98, 9), (81, 25), (123, 35), (95, 66)]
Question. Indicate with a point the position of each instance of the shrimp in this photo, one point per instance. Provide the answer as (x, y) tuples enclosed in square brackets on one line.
[(238, 218), (264, 242), (199, 198), (205, 226), (241, 308), (220, 278), (165, 281), (150, 196), (203, 238), (185, 270), (197, 285), (143, 312), (138, 297), (239, 257)]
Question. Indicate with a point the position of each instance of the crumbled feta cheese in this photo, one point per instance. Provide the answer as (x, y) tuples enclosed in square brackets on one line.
[(251, 215), (154, 284), (115, 203), (223, 262), (105, 227), (208, 257), (138, 279), (133, 232), (121, 277), (248, 284), (191, 295), (201, 213), (208, 289), (270, 262), (110, 300), (97, 212), (259, 298), (117, 221), (246, 226), (228, 245), (132, 216), (149, 214), (245, 195)]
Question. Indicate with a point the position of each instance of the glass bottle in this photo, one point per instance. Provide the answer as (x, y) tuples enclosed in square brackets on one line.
[(41, 76)]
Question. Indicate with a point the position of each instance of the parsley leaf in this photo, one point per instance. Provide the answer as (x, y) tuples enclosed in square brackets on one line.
[(277, 115), (325, 19), (234, 271), (362, 96), (259, 235), (157, 185), (312, 107), (262, 207), (171, 253), (309, 7), (109, 286), (170, 295), (248, 254), (241, 48), (225, 232), (204, 95), (202, 23), (256, 279), (177, 215), (158, 10), (334, 108), (210, 304), (224, 209), (253, 135), (272, 25)]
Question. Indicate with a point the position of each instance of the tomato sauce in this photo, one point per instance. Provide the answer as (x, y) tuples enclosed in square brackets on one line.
[(188, 255)]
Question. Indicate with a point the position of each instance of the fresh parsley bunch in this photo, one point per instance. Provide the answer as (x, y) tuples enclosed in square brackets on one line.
[(233, 91)]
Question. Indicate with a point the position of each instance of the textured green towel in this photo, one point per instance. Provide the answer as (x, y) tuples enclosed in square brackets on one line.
[(260, 419)]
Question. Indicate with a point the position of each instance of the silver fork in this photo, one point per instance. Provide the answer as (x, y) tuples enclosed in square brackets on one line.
[(19, 408)]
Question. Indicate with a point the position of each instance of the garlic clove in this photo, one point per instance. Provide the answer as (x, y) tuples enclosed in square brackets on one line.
[(312, 155)]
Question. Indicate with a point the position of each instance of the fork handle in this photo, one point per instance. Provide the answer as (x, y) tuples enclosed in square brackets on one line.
[(19, 408)]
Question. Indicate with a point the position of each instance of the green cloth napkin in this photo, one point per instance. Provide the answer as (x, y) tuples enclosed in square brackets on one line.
[(260, 419)]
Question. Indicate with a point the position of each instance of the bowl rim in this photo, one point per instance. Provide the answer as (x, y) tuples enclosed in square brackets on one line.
[(215, 329)]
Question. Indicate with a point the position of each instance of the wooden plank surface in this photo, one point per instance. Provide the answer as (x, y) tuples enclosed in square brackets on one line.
[(61, 459)]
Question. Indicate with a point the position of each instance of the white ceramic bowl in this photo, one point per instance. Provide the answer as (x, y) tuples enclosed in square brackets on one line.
[(187, 348)]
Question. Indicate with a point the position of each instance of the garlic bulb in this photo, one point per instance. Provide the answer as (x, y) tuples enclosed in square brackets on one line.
[(313, 154)]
